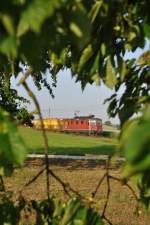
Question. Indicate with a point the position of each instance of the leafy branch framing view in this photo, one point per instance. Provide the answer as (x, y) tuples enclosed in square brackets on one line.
[(42, 36)]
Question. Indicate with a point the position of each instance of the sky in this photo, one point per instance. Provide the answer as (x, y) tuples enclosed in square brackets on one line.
[(69, 97)]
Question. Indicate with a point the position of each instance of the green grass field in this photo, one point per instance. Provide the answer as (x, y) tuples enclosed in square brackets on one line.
[(60, 143)]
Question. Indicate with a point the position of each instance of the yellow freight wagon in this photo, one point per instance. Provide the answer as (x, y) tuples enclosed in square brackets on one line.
[(52, 124), (49, 124)]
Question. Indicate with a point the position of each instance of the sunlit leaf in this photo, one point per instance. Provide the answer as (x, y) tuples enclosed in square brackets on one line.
[(95, 10), (76, 29), (111, 79), (8, 23), (87, 53), (103, 49), (131, 36), (8, 46), (96, 78)]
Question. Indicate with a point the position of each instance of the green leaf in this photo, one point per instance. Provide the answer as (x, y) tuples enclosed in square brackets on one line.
[(96, 78), (81, 216), (94, 72), (103, 49), (123, 71), (18, 148), (117, 28), (79, 25), (35, 14), (128, 46), (95, 10), (131, 36), (8, 46), (127, 129), (86, 55), (76, 29), (74, 213), (110, 79), (12, 148), (134, 144), (71, 208), (147, 30), (8, 23), (146, 114)]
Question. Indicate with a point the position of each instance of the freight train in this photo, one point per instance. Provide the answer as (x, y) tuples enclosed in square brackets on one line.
[(78, 124)]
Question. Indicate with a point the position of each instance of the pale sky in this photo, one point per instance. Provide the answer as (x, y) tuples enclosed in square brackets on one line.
[(69, 97)]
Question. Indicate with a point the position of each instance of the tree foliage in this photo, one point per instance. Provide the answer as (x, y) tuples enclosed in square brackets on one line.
[(11, 102), (12, 148), (108, 122), (90, 38)]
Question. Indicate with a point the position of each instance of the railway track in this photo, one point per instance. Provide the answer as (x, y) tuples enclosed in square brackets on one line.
[(73, 157), (91, 160)]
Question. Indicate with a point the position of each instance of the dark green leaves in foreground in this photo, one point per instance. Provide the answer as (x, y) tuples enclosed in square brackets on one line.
[(12, 149), (73, 213), (9, 213), (35, 14), (52, 212), (81, 27), (135, 143)]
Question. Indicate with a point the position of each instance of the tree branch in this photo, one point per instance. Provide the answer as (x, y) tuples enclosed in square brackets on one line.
[(108, 187), (98, 185), (46, 147), (2, 185), (125, 184), (65, 186), (33, 179), (107, 220), (26, 75)]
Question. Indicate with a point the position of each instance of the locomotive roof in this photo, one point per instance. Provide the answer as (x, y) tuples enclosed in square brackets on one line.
[(86, 117), (74, 118)]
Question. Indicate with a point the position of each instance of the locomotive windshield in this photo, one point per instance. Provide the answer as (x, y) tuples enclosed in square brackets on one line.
[(92, 122), (99, 122)]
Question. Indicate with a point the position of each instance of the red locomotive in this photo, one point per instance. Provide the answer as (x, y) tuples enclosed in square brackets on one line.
[(78, 124), (81, 124)]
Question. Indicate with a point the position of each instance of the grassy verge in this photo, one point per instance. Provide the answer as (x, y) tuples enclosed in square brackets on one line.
[(67, 143)]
